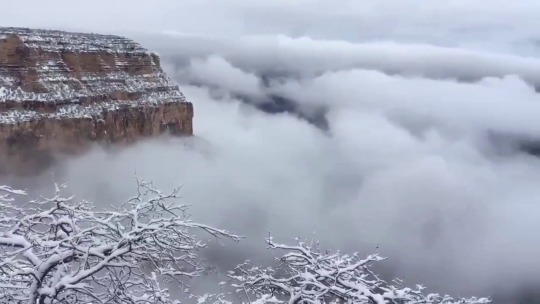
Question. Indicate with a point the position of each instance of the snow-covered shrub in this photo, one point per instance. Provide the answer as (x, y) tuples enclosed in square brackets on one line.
[(62, 250), (308, 276)]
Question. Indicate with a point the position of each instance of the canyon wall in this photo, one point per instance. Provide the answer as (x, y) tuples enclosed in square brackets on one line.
[(60, 92)]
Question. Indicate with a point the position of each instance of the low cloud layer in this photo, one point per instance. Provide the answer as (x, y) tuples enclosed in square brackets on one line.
[(399, 129), (407, 167)]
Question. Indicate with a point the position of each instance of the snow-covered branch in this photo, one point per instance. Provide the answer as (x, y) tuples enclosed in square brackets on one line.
[(60, 250), (307, 275)]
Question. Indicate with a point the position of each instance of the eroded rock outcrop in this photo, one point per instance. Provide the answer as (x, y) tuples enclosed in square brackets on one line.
[(60, 91)]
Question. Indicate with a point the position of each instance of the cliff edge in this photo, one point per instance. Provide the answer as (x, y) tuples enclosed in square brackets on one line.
[(61, 91)]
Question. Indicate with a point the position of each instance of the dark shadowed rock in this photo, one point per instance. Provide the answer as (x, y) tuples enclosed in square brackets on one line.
[(508, 143)]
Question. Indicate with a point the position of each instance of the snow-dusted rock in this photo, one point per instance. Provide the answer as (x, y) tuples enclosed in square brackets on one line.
[(59, 91)]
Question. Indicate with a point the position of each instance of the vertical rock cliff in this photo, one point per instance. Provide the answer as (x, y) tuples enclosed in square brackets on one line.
[(61, 91)]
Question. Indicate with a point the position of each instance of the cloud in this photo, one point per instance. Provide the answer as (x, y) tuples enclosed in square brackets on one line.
[(308, 57), (499, 24), (217, 73), (446, 209), (314, 75)]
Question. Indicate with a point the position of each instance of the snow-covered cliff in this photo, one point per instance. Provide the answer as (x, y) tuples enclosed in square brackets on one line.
[(60, 91)]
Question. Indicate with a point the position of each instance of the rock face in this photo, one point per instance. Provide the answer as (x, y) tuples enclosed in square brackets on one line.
[(61, 91)]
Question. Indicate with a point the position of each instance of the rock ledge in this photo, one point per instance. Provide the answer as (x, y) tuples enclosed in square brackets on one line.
[(61, 91)]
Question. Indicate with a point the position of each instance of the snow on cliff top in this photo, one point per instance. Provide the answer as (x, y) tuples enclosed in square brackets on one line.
[(52, 40), (59, 86)]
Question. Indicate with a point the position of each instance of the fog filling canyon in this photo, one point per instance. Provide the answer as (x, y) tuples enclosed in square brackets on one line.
[(417, 138)]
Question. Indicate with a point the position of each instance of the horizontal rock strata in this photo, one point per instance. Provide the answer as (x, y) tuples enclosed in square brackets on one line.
[(61, 91)]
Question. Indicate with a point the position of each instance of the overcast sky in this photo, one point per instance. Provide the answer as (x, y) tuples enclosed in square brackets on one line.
[(427, 105), (497, 23)]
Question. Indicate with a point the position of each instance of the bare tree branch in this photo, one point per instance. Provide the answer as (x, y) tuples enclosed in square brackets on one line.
[(59, 250), (308, 276)]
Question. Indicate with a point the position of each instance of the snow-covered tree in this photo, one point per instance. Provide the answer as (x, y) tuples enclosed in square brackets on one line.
[(308, 276), (62, 250)]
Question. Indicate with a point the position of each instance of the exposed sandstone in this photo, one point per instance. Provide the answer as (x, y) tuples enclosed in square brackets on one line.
[(61, 91)]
